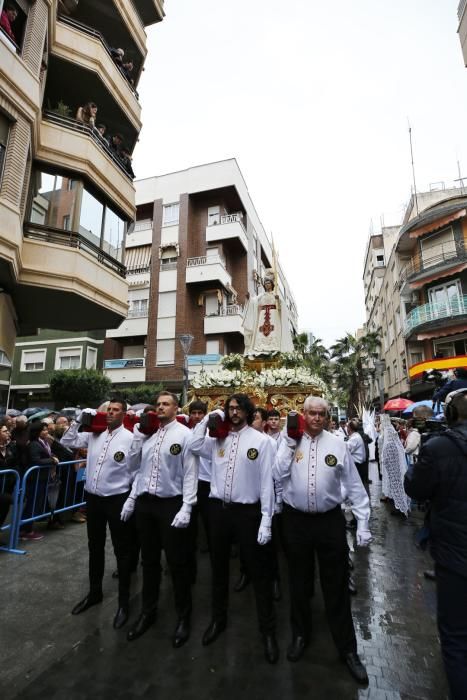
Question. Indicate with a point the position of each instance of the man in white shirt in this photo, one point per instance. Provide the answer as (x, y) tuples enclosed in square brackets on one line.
[(341, 431), (109, 476), (241, 509), (313, 470), (357, 449), (162, 496)]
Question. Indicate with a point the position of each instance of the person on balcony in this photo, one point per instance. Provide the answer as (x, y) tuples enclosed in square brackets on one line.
[(8, 16), (101, 129), (127, 70), (117, 56), (87, 114), (459, 382)]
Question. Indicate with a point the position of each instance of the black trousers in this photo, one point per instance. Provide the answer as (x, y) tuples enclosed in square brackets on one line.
[(362, 468), (452, 625), (200, 510), (238, 522), (323, 533), (103, 511), (5, 502), (154, 518)]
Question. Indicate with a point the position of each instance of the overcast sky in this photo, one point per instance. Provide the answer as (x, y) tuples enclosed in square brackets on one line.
[(313, 99)]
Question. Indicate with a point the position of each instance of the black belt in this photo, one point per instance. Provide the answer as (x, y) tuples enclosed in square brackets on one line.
[(234, 504), (325, 513)]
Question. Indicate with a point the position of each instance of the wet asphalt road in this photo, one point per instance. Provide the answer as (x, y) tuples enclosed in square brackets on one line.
[(47, 653)]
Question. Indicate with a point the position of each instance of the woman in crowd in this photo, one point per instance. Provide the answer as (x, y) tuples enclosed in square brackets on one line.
[(87, 114)]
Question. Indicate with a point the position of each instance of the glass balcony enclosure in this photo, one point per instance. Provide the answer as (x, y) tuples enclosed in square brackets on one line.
[(67, 204)]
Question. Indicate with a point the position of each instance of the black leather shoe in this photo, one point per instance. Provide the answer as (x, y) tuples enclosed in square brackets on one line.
[(86, 603), (115, 573), (355, 666), (142, 624), (213, 631), (351, 586), (182, 633), (276, 590), (296, 649), (121, 617), (271, 650), (242, 583)]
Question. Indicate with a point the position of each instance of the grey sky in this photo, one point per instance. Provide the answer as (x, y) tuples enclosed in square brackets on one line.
[(312, 98)]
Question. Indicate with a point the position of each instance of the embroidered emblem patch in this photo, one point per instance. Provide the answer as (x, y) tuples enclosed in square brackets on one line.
[(330, 460), (298, 456), (221, 452), (175, 449), (119, 456), (252, 453)]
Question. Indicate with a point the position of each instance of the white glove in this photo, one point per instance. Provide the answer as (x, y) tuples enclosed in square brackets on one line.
[(278, 505), (128, 508), (264, 534), (363, 538), (218, 412), (139, 413), (91, 411), (182, 519)]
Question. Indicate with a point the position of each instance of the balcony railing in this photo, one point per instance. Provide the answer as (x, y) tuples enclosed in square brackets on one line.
[(137, 313), (90, 31), (75, 125), (138, 270), (142, 225), (73, 240), (232, 218), (421, 263), (205, 260), (427, 313), (231, 310)]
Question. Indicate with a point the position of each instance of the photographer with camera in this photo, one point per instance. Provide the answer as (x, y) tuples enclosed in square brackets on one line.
[(440, 476)]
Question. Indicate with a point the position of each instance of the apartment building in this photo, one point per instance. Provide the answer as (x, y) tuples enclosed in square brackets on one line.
[(197, 248), (66, 195), (419, 297)]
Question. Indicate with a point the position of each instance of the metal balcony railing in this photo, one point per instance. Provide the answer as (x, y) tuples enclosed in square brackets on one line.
[(74, 125), (450, 252), (230, 310), (137, 313), (142, 225), (138, 270), (73, 240), (427, 313), (205, 260)]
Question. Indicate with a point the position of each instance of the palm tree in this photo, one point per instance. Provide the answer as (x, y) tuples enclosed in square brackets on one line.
[(353, 356)]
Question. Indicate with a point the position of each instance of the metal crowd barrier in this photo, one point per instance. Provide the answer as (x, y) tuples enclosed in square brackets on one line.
[(37, 493), (6, 475)]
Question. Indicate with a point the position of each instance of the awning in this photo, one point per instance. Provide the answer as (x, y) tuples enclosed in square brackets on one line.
[(442, 332), (137, 257), (438, 275), (437, 223)]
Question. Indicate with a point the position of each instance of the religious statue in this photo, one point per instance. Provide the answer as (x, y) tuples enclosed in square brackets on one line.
[(265, 322)]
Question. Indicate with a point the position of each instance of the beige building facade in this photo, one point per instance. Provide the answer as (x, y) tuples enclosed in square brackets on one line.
[(66, 190)]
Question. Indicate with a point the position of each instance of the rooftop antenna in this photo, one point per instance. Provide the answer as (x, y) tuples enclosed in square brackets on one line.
[(413, 169)]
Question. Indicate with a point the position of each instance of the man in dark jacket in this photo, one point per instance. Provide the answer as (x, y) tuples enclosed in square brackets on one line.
[(460, 382), (440, 476)]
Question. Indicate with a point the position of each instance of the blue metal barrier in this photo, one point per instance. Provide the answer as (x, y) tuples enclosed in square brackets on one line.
[(36, 489), (6, 475)]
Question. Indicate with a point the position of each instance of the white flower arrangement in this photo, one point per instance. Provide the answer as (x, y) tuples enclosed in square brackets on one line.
[(279, 377)]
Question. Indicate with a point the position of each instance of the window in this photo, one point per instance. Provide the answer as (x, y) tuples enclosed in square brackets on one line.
[(167, 304), (416, 357), (446, 298), (456, 345), (380, 261), (165, 352), (170, 214), (390, 333), (33, 360), (52, 203), (114, 234), (397, 317), (438, 247), (4, 131), (212, 347), (169, 256), (139, 307), (395, 370), (91, 358), (91, 216), (14, 18), (68, 358), (67, 223), (214, 215)]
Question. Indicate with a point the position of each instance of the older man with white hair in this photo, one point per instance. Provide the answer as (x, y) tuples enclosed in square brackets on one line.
[(313, 471)]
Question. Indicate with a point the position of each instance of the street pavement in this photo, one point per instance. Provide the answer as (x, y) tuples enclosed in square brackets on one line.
[(47, 653)]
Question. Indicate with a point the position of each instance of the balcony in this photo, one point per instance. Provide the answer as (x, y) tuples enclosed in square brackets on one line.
[(126, 370), (135, 324), (434, 315), (66, 142), (422, 266), (210, 268), (228, 320), (76, 42), (150, 11), (229, 228)]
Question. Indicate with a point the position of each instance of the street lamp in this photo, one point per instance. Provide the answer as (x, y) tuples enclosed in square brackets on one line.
[(186, 340), (380, 366)]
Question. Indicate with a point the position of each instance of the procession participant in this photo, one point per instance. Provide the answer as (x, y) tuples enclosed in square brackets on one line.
[(109, 476), (197, 411), (241, 506), (341, 431), (162, 497), (274, 424), (357, 448), (313, 471)]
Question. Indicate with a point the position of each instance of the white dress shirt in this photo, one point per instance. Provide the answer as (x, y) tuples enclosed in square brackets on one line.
[(357, 448), (108, 469), (204, 468), (167, 468), (241, 466), (313, 473)]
